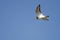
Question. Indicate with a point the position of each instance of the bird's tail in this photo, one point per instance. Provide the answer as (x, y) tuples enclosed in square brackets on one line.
[(47, 16)]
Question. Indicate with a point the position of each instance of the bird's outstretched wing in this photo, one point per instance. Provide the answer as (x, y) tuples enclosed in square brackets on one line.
[(38, 9)]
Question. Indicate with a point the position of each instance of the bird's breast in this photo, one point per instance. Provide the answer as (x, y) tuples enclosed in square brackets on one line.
[(41, 16)]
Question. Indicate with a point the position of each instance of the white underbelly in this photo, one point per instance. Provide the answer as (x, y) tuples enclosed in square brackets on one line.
[(41, 16)]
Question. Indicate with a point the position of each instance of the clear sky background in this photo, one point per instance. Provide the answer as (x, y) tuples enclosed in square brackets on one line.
[(18, 20)]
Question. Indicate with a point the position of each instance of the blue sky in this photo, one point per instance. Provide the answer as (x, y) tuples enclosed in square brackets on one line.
[(18, 22)]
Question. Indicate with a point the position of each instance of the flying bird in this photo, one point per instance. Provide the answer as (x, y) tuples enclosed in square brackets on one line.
[(40, 14)]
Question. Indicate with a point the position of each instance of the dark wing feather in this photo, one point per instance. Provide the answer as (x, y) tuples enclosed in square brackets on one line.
[(38, 9)]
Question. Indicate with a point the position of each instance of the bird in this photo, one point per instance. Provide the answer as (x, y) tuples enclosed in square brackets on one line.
[(40, 14)]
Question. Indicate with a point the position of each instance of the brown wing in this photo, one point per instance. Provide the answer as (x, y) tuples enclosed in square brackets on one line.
[(38, 9)]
